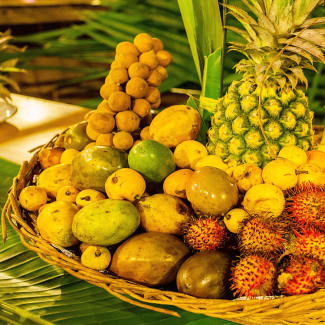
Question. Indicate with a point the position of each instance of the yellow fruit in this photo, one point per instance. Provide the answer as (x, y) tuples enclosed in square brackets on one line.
[(280, 172), (141, 107), (87, 115), (125, 184), (32, 198), (143, 42), (136, 87), (316, 157), (175, 124), (144, 134), (125, 59), (234, 219), (164, 58), (85, 197), (50, 156), (54, 223), (188, 153), (265, 200), (156, 104), (212, 161), (119, 101), (101, 122), (246, 176), (96, 258), (67, 193), (152, 95), (103, 107), (89, 145), (123, 140), (162, 71), (109, 87), (157, 44), (83, 247), (55, 177), (293, 153), (154, 79), (68, 155), (118, 76), (91, 133), (150, 59), (127, 121), (138, 69), (115, 65), (310, 173), (126, 47), (175, 183), (105, 139)]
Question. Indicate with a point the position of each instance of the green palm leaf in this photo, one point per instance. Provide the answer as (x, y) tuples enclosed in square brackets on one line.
[(45, 294)]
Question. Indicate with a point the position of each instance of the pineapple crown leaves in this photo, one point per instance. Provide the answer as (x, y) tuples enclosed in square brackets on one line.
[(8, 66), (280, 39)]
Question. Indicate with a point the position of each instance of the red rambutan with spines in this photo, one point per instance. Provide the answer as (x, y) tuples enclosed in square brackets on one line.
[(205, 233), (309, 242), (300, 275), (305, 206), (262, 236), (253, 276)]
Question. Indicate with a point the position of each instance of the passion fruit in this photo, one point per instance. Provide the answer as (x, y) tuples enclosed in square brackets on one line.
[(211, 191)]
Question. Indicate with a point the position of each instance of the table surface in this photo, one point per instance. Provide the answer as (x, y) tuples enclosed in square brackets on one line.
[(35, 123)]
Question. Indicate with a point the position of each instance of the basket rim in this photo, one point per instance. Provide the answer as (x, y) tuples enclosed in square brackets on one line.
[(253, 311)]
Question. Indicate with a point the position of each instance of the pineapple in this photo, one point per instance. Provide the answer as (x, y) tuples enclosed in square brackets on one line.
[(268, 109)]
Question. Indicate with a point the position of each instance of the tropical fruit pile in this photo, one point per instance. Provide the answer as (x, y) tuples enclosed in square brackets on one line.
[(142, 199)]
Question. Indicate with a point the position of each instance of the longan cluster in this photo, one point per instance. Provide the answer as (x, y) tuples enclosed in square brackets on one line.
[(129, 93)]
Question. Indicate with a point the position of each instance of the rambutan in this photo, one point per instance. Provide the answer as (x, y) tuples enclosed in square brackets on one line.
[(261, 236), (253, 276), (305, 205), (205, 233), (310, 243), (300, 276)]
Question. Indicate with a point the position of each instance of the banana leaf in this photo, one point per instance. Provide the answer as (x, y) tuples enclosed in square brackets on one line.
[(33, 292)]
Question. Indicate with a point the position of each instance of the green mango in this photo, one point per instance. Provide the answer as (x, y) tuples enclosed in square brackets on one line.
[(91, 167), (105, 222), (76, 136), (152, 159)]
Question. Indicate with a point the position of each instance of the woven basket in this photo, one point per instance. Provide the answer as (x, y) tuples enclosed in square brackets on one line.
[(303, 309)]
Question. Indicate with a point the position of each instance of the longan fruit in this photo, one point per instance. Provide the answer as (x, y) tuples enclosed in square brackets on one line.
[(143, 42), (101, 122), (108, 88), (91, 133), (153, 95), (144, 134), (127, 121), (139, 69), (126, 59), (141, 107), (115, 65), (150, 59), (87, 115), (32, 198), (126, 47), (68, 155), (162, 71), (164, 58), (119, 101), (119, 76), (156, 104), (67, 193), (157, 44), (136, 87), (154, 78), (89, 145), (103, 107), (123, 140), (105, 139)]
